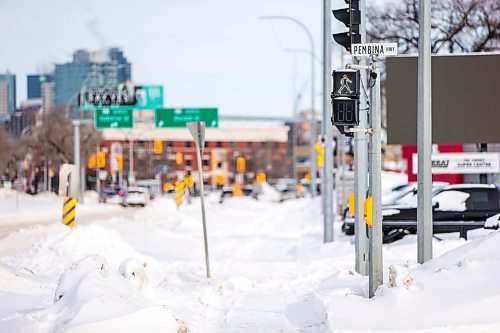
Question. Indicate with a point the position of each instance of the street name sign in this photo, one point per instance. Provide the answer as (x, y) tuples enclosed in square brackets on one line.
[(379, 49), (168, 118), (114, 118), (137, 97)]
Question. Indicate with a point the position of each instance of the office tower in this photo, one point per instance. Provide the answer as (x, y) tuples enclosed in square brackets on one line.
[(35, 82), (10, 79)]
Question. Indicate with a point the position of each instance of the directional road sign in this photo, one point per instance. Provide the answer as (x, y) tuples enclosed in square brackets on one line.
[(368, 49), (114, 118), (179, 117)]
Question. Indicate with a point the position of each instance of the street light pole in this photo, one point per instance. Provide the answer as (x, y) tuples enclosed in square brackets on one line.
[(312, 155)]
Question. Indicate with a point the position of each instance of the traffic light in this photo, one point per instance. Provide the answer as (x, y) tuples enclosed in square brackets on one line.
[(179, 158), (157, 147), (351, 17), (101, 159), (240, 164), (345, 99), (92, 161), (119, 160)]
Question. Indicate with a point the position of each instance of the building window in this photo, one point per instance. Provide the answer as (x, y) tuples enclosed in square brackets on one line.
[(218, 144), (250, 145), (188, 163), (276, 145), (170, 144), (205, 163), (206, 144), (233, 144), (188, 144), (140, 144)]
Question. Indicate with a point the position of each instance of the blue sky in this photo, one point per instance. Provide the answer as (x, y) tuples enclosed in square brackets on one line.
[(204, 53)]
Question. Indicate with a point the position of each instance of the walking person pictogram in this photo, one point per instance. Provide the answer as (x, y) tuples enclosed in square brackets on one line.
[(344, 84)]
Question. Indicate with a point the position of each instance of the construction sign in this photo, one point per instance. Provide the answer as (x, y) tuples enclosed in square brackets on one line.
[(179, 192)]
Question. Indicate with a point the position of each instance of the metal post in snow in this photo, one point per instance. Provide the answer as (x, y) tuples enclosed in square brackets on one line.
[(198, 132), (361, 164), (424, 135), (375, 263), (327, 127), (76, 151)]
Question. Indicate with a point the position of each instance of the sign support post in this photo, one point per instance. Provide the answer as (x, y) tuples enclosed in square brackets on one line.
[(197, 130), (361, 162), (424, 135), (375, 264)]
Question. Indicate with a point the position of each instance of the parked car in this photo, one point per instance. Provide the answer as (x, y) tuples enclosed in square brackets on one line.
[(228, 192), (136, 196), (112, 195), (456, 208), (400, 194)]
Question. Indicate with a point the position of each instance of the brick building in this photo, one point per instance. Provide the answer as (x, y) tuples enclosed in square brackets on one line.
[(264, 150)]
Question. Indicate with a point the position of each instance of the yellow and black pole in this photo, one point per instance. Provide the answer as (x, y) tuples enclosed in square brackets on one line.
[(69, 211), (69, 207)]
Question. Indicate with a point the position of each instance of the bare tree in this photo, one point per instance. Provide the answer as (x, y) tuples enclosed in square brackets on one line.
[(458, 26), (6, 150), (54, 137)]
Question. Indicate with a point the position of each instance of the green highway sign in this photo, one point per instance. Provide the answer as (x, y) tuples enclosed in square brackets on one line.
[(149, 97), (113, 118), (165, 118)]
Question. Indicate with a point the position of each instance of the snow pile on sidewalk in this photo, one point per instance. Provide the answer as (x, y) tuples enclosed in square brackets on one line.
[(270, 271)]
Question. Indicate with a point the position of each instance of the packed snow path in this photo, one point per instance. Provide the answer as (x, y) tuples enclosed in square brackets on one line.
[(271, 272)]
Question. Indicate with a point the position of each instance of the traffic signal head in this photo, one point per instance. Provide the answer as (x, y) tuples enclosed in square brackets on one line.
[(351, 17)]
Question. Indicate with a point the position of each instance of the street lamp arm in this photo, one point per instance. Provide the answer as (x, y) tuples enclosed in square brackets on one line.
[(289, 18)]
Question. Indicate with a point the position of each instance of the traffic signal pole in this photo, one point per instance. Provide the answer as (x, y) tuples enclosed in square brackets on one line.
[(327, 128), (375, 264), (361, 163)]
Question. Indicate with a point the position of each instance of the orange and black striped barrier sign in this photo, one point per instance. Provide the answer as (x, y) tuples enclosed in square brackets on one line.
[(69, 208), (179, 192)]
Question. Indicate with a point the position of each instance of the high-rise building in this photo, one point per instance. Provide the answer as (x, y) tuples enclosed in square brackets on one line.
[(10, 79), (35, 82), (4, 100), (96, 69), (48, 95)]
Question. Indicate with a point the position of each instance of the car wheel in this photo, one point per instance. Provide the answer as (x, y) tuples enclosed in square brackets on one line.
[(394, 235)]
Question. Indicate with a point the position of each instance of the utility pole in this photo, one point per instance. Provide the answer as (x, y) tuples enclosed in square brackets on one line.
[(76, 145), (361, 163), (327, 195), (424, 135), (375, 243)]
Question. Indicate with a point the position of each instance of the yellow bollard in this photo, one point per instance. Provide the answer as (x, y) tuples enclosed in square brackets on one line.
[(179, 193), (69, 207)]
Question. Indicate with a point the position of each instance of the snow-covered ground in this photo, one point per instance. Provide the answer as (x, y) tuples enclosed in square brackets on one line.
[(270, 270)]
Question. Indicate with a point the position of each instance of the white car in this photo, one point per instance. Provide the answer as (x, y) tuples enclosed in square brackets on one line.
[(136, 196)]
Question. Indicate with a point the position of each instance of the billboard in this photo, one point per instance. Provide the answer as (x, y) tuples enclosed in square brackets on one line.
[(465, 99)]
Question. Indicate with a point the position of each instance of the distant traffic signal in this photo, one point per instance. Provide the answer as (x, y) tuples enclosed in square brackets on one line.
[(157, 146), (351, 17), (240, 164)]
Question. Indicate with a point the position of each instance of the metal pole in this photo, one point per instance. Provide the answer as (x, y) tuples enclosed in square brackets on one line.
[(45, 174), (131, 162), (97, 179), (424, 135), (361, 164), (327, 127), (76, 142), (312, 155), (375, 264), (202, 197)]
